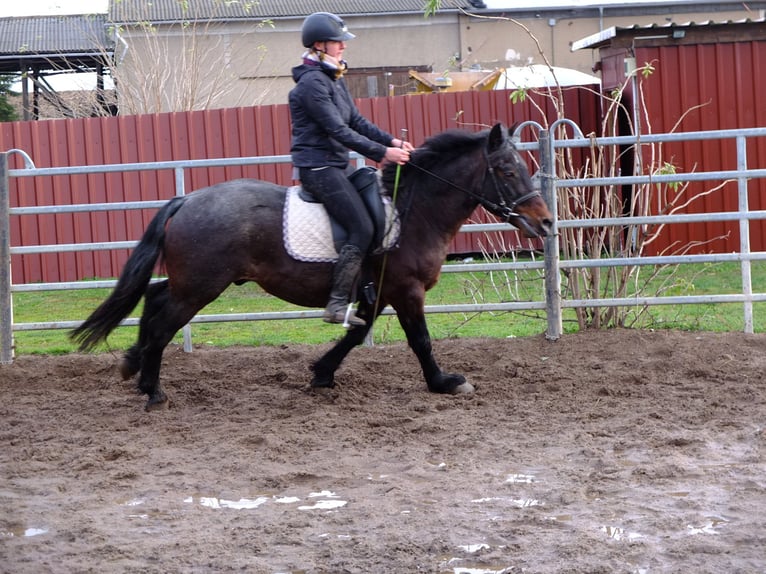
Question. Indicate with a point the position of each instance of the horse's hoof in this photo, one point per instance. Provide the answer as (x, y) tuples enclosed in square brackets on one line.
[(328, 392), (158, 403), (322, 383), (450, 384), (465, 388), (127, 371)]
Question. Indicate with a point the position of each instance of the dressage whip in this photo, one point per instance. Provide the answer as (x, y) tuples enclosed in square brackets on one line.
[(393, 202)]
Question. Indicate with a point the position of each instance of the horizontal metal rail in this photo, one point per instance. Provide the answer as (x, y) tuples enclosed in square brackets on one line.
[(743, 215)]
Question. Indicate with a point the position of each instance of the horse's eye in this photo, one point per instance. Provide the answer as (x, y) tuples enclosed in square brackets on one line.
[(509, 173)]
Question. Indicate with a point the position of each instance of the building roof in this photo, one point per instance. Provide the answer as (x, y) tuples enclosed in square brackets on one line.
[(676, 31), (126, 11), (53, 34), (511, 5), (52, 41)]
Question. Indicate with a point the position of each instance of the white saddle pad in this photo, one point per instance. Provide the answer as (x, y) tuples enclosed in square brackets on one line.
[(307, 232)]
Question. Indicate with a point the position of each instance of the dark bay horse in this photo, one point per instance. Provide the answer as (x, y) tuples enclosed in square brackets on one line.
[(232, 233)]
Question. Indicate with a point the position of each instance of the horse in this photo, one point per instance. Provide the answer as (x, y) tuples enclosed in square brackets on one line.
[(232, 232)]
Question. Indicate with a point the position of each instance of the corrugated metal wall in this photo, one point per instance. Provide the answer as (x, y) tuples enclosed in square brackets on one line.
[(236, 132), (696, 87)]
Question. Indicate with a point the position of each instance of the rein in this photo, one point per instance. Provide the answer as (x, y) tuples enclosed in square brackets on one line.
[(501, 209)]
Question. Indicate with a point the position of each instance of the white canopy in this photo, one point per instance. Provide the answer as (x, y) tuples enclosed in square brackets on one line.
[(541, 76)]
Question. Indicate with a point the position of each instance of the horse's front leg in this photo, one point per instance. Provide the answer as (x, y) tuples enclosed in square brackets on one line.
[(324, 368), (413, 321)]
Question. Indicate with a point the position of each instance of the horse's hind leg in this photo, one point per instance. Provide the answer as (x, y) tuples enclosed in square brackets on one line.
[(154, 298), (163, 317)]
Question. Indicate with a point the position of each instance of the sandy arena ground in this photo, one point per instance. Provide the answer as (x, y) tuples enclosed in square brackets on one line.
[(614, 451)]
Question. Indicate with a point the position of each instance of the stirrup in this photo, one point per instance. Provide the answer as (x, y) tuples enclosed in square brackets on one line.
[(347, 317)]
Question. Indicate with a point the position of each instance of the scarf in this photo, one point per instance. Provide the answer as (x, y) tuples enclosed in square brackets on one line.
[(315, 57)]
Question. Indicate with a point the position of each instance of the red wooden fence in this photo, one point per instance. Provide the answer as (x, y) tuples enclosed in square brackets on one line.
[(714, 81), (715, 86), (235, 132)]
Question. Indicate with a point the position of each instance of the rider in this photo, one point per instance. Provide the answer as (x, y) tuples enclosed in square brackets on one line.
[(325, 125)]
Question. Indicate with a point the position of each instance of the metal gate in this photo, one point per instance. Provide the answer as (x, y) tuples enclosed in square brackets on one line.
[(546, 149)]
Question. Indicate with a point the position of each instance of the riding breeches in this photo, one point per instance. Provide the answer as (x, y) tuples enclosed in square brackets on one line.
[(331, 186)]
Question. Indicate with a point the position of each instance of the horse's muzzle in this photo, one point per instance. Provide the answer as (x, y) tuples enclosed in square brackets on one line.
[(540, 228)]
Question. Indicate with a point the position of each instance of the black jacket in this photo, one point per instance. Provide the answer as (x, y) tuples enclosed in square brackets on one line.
[(326, 122)]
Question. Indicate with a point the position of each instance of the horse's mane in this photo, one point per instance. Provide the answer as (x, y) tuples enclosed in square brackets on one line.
[(441, 149)]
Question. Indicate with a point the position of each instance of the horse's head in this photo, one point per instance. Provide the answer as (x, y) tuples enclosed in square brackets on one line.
[(509, 190)]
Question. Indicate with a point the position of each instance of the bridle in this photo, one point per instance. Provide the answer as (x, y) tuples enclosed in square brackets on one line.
[(502, 209)]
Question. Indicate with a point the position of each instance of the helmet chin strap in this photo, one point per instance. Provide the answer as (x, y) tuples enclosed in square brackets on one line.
[(340, 66)]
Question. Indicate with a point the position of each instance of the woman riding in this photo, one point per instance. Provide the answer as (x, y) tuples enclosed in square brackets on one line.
[(325, 125)]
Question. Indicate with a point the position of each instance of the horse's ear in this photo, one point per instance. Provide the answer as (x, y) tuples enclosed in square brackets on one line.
[(497, 137)]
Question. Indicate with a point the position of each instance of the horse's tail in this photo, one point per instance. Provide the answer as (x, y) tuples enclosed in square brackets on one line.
[(132, 282)]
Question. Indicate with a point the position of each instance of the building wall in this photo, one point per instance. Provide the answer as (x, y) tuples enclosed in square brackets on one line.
[(217, 66), (504, 42), (203, 66)]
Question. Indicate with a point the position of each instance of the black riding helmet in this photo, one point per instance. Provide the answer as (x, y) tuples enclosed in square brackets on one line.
[(323, 26)]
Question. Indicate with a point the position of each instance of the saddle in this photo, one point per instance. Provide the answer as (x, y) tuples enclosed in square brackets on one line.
[(310, 234)]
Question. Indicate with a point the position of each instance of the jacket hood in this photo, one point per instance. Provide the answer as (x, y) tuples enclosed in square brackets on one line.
[(302, 69)]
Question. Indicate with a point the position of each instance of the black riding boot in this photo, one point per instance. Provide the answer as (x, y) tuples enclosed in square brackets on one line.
[(344, 277)]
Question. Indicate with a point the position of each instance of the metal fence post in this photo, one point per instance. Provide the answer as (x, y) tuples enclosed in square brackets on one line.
[(744, 234), (6, 303), (551, 259), (181, 190)]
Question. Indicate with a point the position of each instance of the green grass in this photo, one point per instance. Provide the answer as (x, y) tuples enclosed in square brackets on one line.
[(453, 288), (706, 279)]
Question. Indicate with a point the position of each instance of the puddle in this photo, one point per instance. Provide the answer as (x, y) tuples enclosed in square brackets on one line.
[(323, 500), (474, 568), (323, 494), (519, 502), (462, 566), (480, 570), (241, 504), (527, 502), (520, 478), (473, 548), (338, 536), (330, 502), (707, 528), (617, 533), (325, 505), (560, 518), (287, 500), (22, 532)]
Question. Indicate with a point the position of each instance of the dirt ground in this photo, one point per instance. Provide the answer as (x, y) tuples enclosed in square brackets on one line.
[(615, 451)]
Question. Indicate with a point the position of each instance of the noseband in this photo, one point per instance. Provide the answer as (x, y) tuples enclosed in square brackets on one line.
[(501, 209)]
